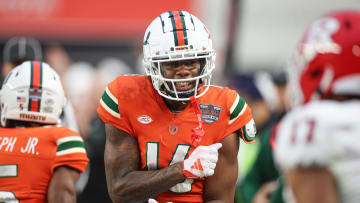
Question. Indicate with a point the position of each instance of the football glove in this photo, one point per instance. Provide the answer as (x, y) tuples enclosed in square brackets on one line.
[(201, 162)]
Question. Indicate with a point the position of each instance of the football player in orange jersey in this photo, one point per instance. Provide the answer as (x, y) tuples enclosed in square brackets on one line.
[(39, 160), (171, 135)]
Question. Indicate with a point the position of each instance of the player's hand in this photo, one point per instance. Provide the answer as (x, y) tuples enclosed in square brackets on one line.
[(264, 193), (202, 161)]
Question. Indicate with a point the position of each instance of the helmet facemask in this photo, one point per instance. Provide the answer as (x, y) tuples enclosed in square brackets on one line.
[(167, 86)]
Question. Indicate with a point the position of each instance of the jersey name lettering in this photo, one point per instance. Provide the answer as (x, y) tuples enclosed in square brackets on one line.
[(7, 145)]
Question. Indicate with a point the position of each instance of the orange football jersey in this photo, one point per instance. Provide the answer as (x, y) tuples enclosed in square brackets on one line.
[(28, 157), (131, 104)]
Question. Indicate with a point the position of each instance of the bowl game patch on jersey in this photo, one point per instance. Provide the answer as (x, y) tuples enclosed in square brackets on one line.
[(210, 113)]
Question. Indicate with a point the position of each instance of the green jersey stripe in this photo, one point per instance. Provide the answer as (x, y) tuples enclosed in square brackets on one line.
[(232, 119), (67, 139), (109, 110), (70, 144), (109, 101), (239, 106), (71, 151), (113, 98)]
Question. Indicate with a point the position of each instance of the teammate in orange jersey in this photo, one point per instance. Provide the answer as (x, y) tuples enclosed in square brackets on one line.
[(171, 136), (39, 161)]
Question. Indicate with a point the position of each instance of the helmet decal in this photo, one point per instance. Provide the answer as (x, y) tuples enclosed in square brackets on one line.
[(147, 38), (35, 90), (207, 32), (179, 28), (318, 38)]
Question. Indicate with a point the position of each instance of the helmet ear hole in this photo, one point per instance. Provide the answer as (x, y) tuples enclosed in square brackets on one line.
[(316, 73), (347, 24)]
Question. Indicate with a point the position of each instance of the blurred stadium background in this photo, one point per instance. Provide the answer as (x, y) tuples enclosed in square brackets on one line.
[(248, 34), (90, 42)]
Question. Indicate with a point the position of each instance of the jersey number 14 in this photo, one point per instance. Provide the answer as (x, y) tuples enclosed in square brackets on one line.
[(152, 163)]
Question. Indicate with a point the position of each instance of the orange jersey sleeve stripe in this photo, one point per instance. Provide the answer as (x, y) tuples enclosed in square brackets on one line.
[(238, 123), (108, 108), (70, 151), (238, 114), (245, 117)]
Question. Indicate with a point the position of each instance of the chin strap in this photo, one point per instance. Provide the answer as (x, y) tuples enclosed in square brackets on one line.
[(198, 132)]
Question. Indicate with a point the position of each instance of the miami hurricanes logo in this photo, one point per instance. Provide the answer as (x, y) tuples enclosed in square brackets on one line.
[(144, 119), (173, 129)]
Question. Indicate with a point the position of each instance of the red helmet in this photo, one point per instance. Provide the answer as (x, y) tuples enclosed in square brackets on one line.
[(327, 60)]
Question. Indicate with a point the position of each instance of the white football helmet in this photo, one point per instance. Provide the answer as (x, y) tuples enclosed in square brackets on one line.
[(32, 92), (174, 36)]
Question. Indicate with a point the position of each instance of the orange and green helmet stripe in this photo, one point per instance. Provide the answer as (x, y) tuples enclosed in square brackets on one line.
[(179, 28), (35, 85)]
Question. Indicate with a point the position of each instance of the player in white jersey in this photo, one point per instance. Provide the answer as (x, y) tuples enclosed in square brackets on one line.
[(322, 137), (317, 143)]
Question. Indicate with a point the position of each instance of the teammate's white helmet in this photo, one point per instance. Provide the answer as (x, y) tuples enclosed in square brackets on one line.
[(173, 36), (32, 92)]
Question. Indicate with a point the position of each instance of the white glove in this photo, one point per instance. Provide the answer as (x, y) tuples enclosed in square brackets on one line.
[(202, 161)]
